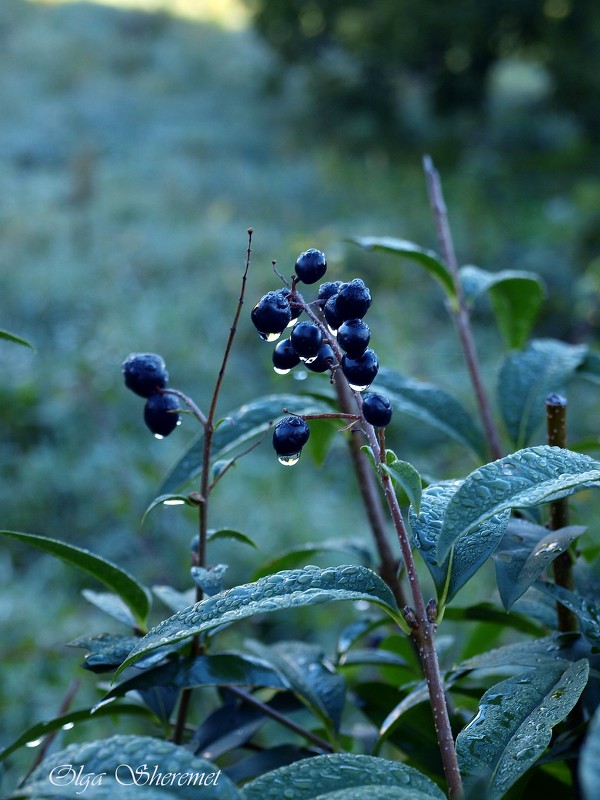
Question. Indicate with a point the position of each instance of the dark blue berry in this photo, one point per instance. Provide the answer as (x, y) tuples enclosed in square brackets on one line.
[(360, 372), (271, 315), (353, 300), (290, 435), (324, 360), (145, 373), (285, 357), (353, 337), (377, 409), (160, 414), (311, 266), (306, 339), (332, 316), (296, 310), (327, 290)]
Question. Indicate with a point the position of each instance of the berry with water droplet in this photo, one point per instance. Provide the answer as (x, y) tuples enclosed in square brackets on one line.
[(306, 339), (353, 299), (360, 372), (325, 359), (285, 357), (296, 310), (353, 337), (160, 414), (327, 290), (271, 315), (289, 437), (332, 316), (377, 409), (145, 373), (311, 265)]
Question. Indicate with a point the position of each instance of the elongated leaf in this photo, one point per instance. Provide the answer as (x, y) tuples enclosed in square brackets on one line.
[(469, 553), (168, 500), (432, 405), (297, 555), (426, 258), (514, 723), (336, 776), (287, 589), (406, 476), (241, 426), (228, 533), (11, 337), (133, 594), (66, 721), (530, 653), (525, 552), (516, 298), (589, 764), (587, 611), (527, 377), (112, 605), (116, 759), (310, 676), (524, 479), (220, 669)]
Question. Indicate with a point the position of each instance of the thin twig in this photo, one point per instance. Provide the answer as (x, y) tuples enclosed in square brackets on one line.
[(460, 312), (189, 403)]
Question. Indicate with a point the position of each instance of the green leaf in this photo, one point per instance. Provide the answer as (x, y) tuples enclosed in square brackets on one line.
[(295, 556), (11, 337), (112, 605), (587, 611), (426, 258), (516, 298), (309, 675), (133, 594), (469, 553), (287, 589), (107, 757), (527, 377), (242, 425), (168, 500), (107, 651), (525, 552), (406, 476), (343, 777), (432, 405), (589, 763), (530, 653), (514, 723), (524, 479), (228, 533), (66, 721)]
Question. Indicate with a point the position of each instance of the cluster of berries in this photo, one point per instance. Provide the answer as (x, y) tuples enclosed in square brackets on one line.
[(342, 306), (146, 374)]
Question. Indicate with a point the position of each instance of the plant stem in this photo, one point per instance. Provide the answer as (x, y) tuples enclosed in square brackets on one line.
[(556, 425), (459, 311)]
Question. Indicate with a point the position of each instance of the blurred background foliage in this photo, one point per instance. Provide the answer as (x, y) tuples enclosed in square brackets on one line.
[(138, 144)]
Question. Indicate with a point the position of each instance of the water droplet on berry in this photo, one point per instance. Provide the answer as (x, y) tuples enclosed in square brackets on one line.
[(357, 388), (308, 360), (281, 371), (332, 331), (292, 322), (289, 460), (269, 337), (158, 436)]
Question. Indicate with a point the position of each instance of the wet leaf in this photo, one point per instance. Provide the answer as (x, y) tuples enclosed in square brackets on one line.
[(133, 594), (11, 337), (287, 589), (343, 777), (527, 377), (514, 723), (468, 554), (515, 296), (530, 653), (406, 477), (242, 425), (112, 605), (228, 533), (432, 405), (426, 258), (586, 611), (524, 479), (168, 500), (524, 553)]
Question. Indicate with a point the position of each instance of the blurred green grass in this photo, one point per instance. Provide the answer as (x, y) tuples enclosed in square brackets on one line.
[(135, 151)]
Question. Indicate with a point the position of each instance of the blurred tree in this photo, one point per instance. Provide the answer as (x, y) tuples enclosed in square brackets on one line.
[(366, 55)]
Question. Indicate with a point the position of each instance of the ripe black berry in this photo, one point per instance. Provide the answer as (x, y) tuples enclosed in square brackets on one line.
[(332, 316), (160, 414), (324, 360), (377, 409), (289, 437), (311, 266), (145, 373), (353, 337), (296, 310), (353, 299), (271, 315), (285, 357), (327, 290), (361, 371), (306, 339)]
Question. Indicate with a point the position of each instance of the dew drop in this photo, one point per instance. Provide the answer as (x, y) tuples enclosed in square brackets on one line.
[(508, 468), (301, 375), (549, 548), (332, 331), (357, 388), (68, 725), (34, 743), (269, 337), (292, 322), (290, 460), (281, 371), (308, 360), (158, 436), (174, 502)]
